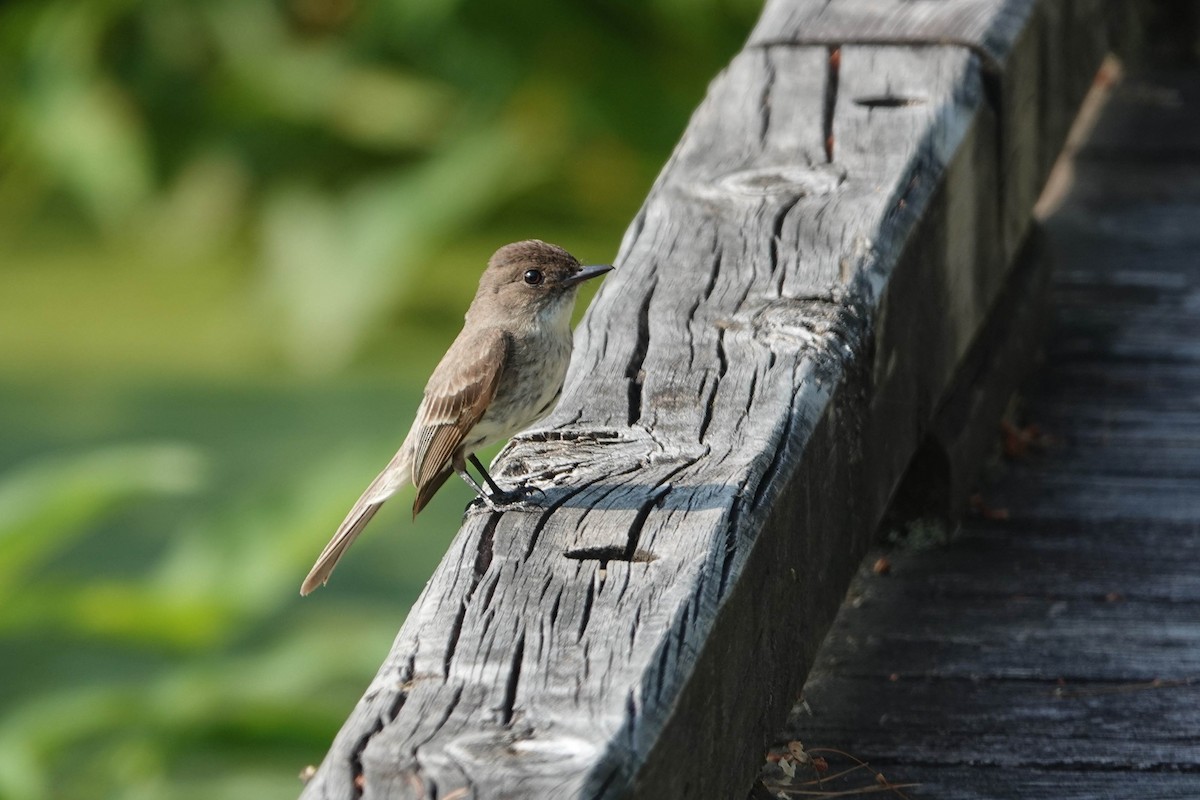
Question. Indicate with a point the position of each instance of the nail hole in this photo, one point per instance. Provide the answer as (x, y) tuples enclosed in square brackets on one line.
[(613, 553), (888, 101)]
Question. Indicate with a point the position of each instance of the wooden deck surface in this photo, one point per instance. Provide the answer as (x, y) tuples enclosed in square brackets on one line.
[(1056, 653)]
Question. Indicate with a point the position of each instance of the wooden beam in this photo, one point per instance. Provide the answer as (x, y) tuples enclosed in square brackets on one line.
[(1038, 61), (788, 310)]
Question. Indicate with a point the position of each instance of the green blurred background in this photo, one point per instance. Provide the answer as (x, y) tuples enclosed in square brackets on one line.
[(235, 237)]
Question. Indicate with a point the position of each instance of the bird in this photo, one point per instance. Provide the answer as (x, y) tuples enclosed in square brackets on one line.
[(503, 372)]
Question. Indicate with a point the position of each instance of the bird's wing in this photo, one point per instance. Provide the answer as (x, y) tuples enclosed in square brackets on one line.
[(427, 491), (458, 395)]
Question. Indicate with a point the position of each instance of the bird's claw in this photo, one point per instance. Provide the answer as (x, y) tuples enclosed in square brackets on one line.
[(503, 501)]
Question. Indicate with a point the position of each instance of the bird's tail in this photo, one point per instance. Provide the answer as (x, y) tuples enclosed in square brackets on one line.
[(395, 474)]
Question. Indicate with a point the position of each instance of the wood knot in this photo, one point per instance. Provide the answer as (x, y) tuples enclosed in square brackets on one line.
[(494, 747), (792, 180), (827, 325)]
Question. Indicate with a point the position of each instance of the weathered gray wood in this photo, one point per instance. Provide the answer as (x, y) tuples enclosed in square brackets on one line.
[(993, 28), (1057, 653), (1038, 58), (788, 309)]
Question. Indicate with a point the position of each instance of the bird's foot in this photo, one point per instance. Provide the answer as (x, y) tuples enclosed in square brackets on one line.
[(504, 500)]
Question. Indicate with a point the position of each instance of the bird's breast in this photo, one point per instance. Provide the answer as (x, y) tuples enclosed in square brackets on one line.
[(529, 388)]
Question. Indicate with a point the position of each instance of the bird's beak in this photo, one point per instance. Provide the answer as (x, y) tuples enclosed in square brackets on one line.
[(587, 273)]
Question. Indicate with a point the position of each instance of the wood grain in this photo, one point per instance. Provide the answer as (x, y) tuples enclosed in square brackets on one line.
[(788, 310), (1038, 60)]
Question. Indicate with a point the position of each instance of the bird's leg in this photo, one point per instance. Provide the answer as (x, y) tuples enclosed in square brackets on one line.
[(486, 477), (498, 494), (479, 492)]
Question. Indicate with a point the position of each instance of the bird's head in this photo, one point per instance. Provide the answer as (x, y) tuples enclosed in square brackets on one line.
[(532, 281)]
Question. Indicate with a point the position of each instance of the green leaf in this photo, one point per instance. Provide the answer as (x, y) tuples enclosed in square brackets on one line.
[(46, 505)]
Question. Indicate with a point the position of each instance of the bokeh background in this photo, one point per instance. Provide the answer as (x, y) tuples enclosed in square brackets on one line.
[(235, 237)]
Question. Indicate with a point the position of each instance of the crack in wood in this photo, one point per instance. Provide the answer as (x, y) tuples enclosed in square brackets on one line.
[(776, 238), (407, 675), (633, 370), (731, 533), (507, 709), (489, 591), (631, 718), (693, 317), (455, 699), (639, 521), (538, 527), (681, 632), (585, 615), (484, 553), (664, 657), (715, 272), (833, 67), (780, 449), (575, 436), (609, 779), (633, 628), (614, 489), (452, 638), (731, 540), (357, 781), (711, 402), (764, 102)]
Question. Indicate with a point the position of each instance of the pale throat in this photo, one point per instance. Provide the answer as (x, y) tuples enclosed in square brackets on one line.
[(552, 318)]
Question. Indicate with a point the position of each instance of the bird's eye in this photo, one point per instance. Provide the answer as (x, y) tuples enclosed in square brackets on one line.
[(534, 277)]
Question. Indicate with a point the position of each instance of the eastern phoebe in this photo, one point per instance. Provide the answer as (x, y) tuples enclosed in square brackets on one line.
[(503, 373)]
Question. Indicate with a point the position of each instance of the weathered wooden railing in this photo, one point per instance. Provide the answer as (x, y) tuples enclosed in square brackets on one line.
[(789, 310)]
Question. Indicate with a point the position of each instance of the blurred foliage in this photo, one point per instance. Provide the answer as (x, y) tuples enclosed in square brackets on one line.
[(311, 159), (221, 222)]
